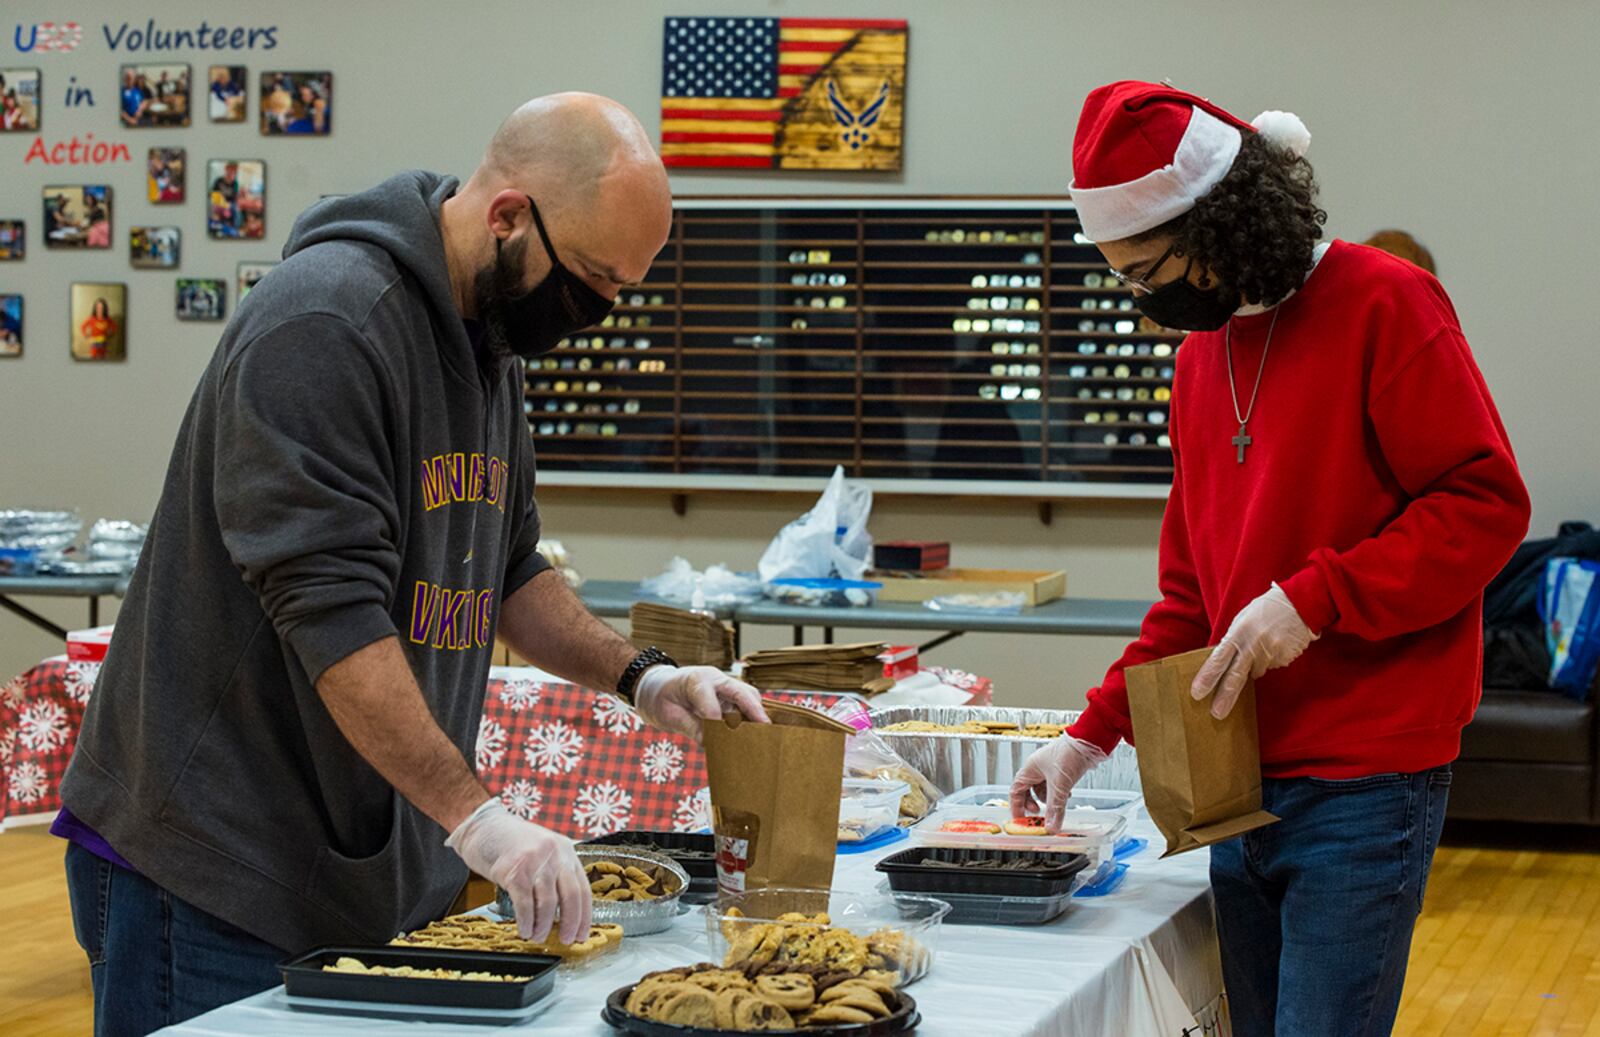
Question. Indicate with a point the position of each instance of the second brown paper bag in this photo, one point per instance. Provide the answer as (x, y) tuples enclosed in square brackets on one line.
[(775, 798), (1201, 775)]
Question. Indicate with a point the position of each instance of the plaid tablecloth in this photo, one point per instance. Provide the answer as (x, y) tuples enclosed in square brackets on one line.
[(573, 760)]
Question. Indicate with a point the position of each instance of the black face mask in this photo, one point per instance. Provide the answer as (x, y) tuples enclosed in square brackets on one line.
[(532, 323), (1184, 306)]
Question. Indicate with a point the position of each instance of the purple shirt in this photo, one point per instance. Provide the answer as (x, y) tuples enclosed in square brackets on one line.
[(73, 830)]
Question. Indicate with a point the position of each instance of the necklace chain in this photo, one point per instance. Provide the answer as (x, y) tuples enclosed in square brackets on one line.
[(1233, 392)]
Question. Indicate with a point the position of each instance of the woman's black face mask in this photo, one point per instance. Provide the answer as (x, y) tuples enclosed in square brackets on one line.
[(532, 323), (1185, 306)]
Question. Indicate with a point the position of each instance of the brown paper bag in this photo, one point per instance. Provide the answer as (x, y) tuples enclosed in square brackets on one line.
[(775, 798), (1201, 775)]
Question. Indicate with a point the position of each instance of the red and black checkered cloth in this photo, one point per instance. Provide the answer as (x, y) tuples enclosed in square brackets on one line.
[(580, 763)]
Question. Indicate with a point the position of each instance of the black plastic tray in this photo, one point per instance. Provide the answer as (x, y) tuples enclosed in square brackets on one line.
[(937, 869), (904, 1019), (303, 977), (695, 852)]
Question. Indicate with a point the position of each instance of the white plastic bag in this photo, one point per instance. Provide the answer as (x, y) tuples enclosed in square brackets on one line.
[(717, 586), (830, 540)]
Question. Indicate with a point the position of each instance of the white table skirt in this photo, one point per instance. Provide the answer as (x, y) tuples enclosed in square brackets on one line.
[(1142, 961)]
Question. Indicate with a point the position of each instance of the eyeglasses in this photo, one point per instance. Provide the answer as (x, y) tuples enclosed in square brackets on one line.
[(1140, 282)]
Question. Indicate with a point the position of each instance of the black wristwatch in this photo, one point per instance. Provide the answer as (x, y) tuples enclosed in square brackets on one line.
[(651, 656)]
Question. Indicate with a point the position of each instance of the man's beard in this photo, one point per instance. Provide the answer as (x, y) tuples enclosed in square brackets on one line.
[(493, 290)]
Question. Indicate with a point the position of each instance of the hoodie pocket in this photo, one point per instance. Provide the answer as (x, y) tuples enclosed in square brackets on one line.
[(361, 889)]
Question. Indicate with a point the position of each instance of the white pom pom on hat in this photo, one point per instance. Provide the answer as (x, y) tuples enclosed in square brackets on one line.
[(1284, 129)]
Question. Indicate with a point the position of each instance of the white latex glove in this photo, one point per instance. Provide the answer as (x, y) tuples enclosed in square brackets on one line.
[(537, 867), (680, 698), (1057, 767), (1266, 634)]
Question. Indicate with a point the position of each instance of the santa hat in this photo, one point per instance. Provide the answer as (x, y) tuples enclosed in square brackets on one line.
[(1145, 152)]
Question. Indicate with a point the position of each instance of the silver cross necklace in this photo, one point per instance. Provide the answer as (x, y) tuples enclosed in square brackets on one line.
[(1242, 439)]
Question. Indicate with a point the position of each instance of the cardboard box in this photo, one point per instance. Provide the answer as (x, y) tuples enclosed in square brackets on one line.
[(1036, 585), (88, 646), (916, 555), (899, 662)]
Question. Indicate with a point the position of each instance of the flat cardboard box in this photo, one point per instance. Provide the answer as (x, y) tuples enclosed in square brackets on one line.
[(1036, 585)]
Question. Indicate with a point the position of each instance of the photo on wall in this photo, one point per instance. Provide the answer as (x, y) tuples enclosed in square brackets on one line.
[(164, 175), (155, 95), (10, 325), (77, 216), (13, 240), (227, 93), (19, 100), (296, 103), (154, 248), (238, 198), (201, 298), (249, 274), (99, 321)]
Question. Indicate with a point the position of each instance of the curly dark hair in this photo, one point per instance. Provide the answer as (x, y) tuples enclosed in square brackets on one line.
[(1255, 230)]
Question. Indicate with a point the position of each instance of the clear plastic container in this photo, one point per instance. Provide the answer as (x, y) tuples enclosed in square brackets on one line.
[(901, 928), (868, 807), (989, 909), (824, 593), (1114, 800), (1093, 833)]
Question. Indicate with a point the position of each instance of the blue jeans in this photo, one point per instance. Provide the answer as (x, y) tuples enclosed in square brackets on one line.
[(1315, 912), (155, 960)]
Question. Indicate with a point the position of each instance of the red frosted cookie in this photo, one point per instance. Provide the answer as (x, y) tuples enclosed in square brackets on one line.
[(971, 827), (1025, 826)]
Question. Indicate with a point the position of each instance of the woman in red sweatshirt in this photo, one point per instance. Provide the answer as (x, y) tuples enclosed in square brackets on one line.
[(1343, 489)]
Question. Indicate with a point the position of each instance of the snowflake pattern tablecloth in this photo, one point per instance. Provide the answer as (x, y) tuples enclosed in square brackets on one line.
[(573, 760)]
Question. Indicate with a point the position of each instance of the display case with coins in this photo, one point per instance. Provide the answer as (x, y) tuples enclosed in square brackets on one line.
[(928, 345)]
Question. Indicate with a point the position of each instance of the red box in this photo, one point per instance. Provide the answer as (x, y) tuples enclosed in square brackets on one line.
[(912, 555), (899, 662), (88, 646)]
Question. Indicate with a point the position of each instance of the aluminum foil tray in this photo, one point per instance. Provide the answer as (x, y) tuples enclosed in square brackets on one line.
[(639, 918), (955, 761)]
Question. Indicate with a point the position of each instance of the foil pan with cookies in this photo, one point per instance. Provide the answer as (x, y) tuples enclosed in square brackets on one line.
[(636, 890), (886, 938), (708, 999), (959, 746)]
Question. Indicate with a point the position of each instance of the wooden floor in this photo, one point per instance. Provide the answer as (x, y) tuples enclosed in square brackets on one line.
[(1509, 943)]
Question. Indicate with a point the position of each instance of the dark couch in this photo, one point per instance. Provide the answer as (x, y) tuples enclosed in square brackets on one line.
[(1529, 755)]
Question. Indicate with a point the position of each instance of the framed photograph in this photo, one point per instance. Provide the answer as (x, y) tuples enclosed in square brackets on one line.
[(226, 97), (19, 100), (99, 321), (296, 104), (154, 95), (238, 198), (249, 274), (154, 248), (10, 325), (201, 298), (77, 216), (164, 175), (13, 239)]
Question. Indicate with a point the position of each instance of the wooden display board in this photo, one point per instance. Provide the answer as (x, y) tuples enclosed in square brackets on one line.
[(929, 345)]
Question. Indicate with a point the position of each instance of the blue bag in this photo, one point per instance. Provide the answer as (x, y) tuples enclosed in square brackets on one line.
[(1569, 606)]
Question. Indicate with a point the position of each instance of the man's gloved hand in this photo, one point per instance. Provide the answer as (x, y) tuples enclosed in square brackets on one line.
[(1266, 634), (1053, 770), (537, 867), (680, 698)]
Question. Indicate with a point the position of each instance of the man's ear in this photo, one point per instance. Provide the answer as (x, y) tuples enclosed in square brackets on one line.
[(505, 210)]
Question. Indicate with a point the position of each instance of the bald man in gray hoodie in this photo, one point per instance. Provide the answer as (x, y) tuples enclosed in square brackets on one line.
[(275, 755)]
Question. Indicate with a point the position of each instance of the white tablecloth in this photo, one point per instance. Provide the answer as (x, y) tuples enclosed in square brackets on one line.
[(1141, 961)]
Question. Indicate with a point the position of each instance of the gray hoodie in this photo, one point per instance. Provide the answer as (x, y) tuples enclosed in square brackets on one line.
[(347, 471)]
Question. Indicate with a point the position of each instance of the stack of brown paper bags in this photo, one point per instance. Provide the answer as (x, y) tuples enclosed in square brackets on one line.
[(692, 638), (854, 667)]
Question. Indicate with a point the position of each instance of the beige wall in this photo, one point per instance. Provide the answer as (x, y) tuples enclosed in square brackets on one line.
[(1463, 124)]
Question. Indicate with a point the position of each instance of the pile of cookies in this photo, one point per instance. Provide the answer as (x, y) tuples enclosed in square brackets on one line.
[(356, 965), (798, 939), (609, 880), (977, 727), (478, 933), (709, 996)]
